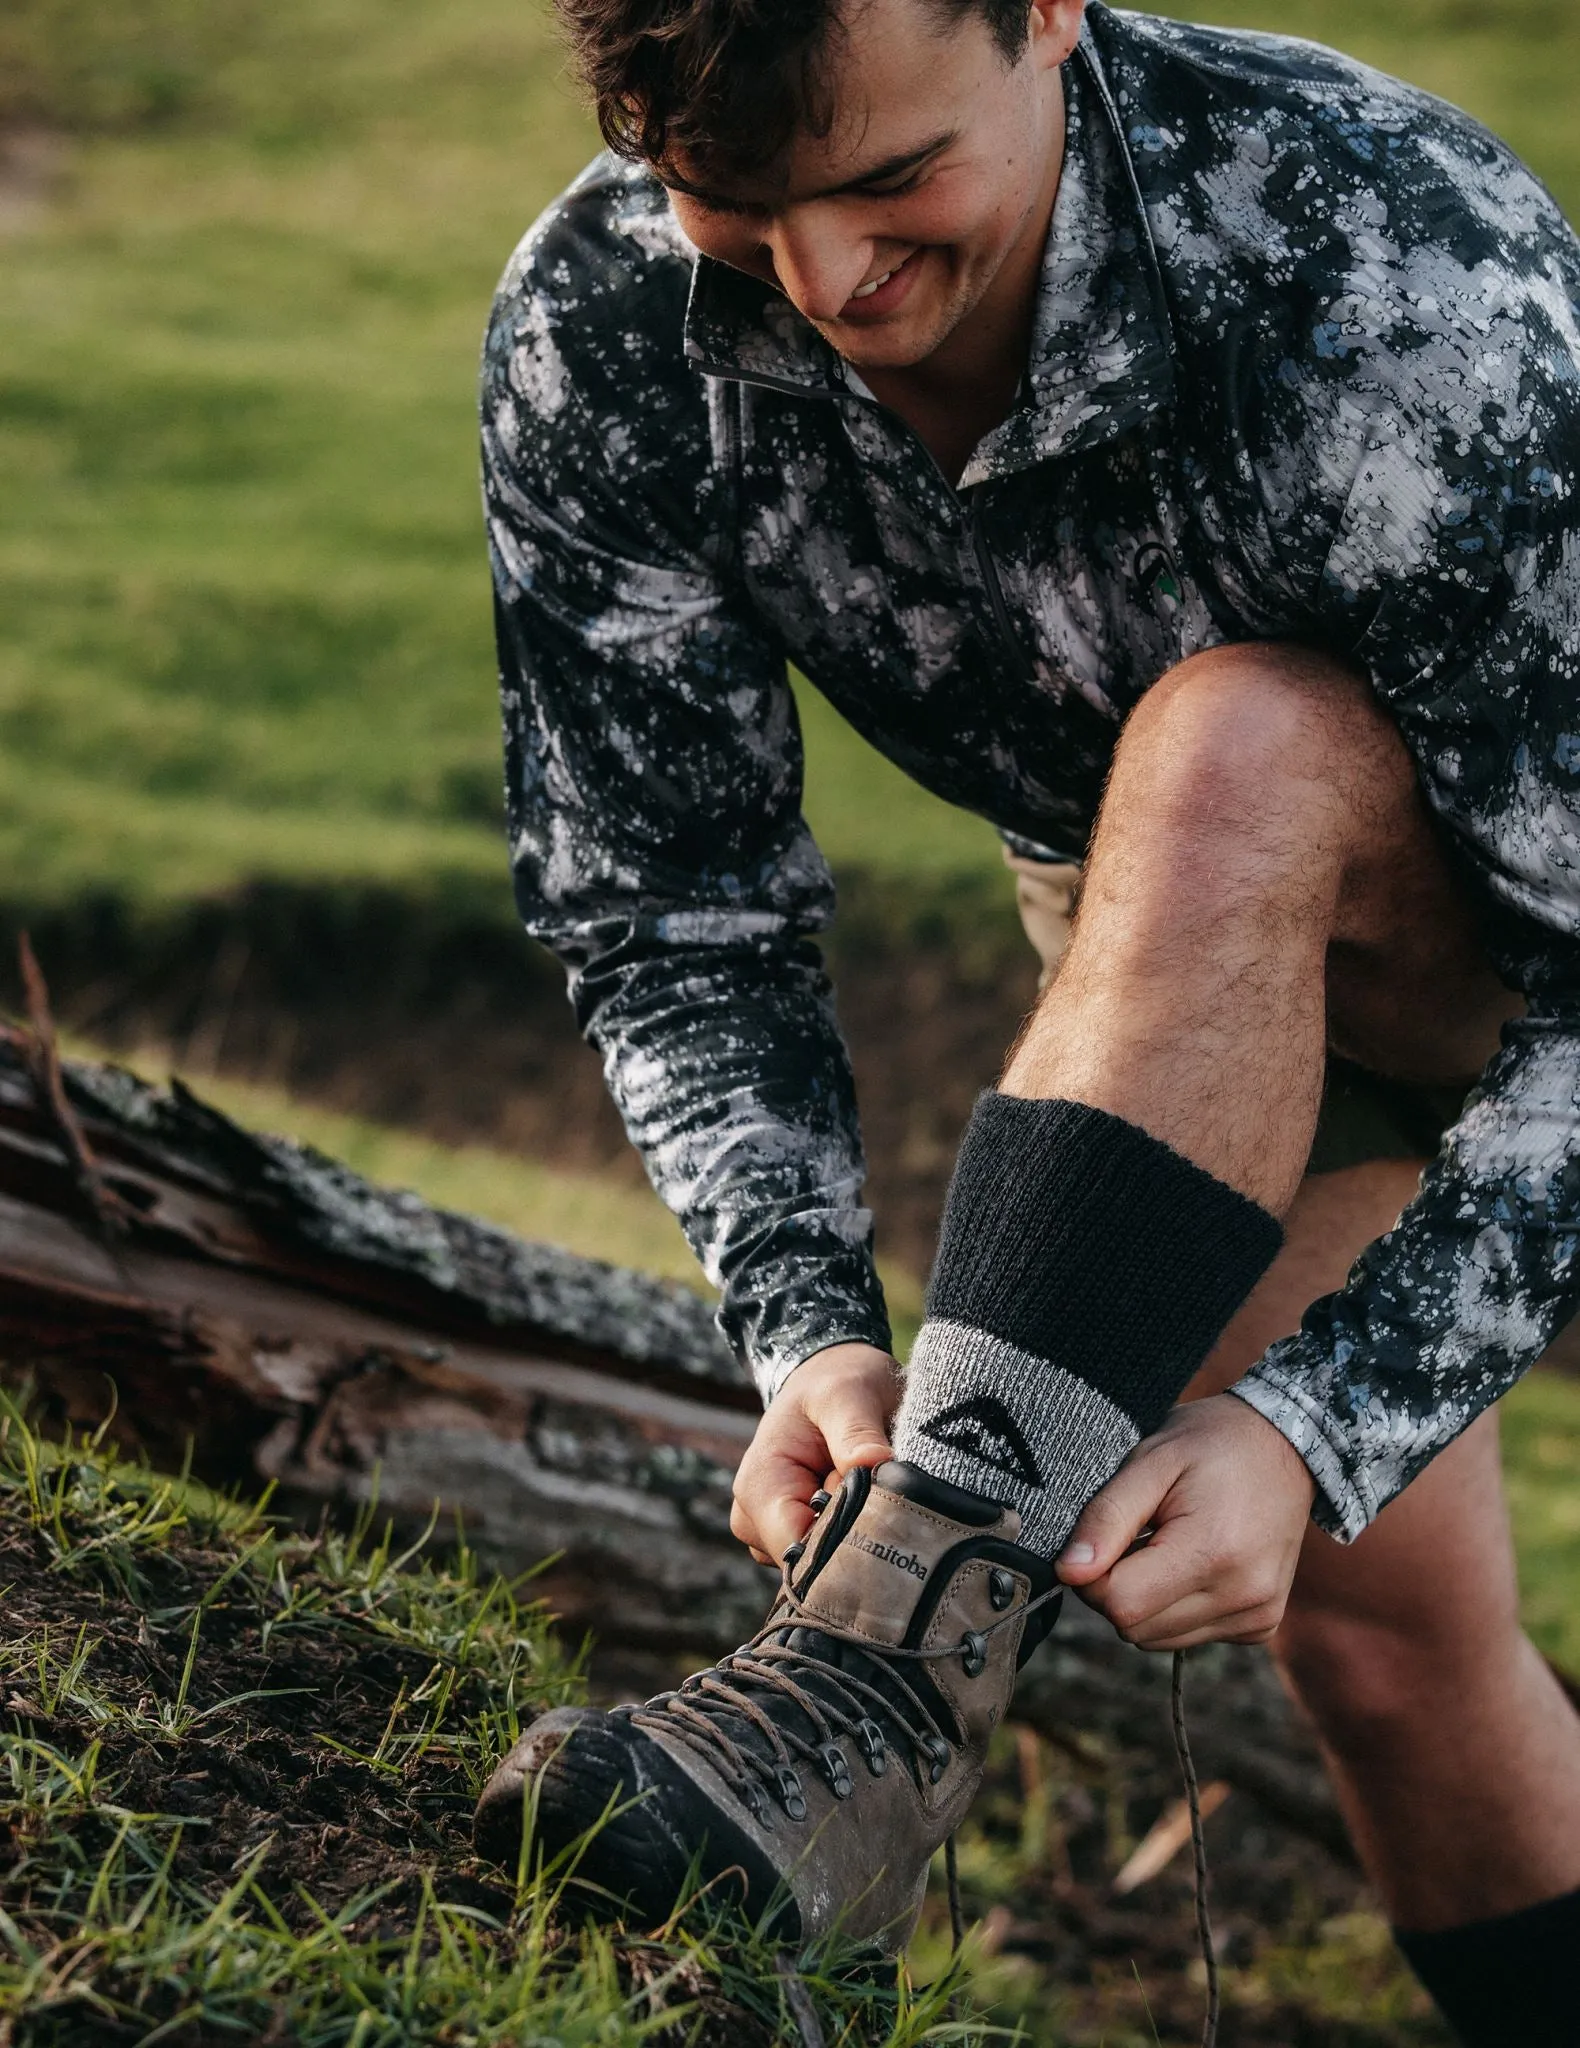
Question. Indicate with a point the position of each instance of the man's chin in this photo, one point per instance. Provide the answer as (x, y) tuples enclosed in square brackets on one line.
[(885, 346)]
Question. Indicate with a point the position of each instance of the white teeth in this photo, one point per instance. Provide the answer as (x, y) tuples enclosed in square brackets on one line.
[(865, 291)]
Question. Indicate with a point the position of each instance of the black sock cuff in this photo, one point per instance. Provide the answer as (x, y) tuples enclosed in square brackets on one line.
[(1508, 1979), (1082, 1239)]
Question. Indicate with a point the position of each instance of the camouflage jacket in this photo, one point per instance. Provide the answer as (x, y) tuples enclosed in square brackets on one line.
[(1306, 365)]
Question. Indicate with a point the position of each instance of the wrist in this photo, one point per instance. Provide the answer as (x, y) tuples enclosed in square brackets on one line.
[(845, 1359)]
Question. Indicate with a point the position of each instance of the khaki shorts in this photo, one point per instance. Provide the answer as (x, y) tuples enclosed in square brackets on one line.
[(1363, 1115)]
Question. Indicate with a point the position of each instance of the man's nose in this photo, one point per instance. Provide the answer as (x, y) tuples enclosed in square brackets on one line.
[(818, 266)]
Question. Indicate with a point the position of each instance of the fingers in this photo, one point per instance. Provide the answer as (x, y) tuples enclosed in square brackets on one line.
[(1172, 1594), (1227, 1500), (833, 1411), (853, 1418), (1113, 1519), (770, 1510)]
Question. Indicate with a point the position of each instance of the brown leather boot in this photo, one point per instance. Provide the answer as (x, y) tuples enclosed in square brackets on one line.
[(818, 1769)]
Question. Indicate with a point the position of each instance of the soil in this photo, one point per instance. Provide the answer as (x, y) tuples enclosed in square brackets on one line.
[(1115, 1965), (267, 1769), (263, 1772)]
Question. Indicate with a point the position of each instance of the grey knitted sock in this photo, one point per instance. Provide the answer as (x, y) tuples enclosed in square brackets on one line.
[(1084, 1272)]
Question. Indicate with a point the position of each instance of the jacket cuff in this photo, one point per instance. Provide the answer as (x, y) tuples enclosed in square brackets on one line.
[(1345, 1504), (802, 1336)]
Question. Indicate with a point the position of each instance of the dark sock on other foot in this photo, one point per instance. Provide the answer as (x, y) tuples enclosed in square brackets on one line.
[(1085, 1270), (1513, 1982)]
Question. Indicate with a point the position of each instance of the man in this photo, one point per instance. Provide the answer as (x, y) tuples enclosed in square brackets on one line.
[(1163, 442)]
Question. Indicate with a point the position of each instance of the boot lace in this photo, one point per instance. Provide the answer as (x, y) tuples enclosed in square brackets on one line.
[(865, 1699)]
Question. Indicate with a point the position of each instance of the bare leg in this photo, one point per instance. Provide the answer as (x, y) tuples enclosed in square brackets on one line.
[(1263, 881), (1454, 1753), (1263, 876)]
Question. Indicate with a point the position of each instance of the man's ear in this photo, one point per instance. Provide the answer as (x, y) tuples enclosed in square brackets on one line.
[(1055, 31)]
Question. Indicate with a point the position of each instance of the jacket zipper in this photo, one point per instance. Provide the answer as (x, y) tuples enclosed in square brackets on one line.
[(987, 569)]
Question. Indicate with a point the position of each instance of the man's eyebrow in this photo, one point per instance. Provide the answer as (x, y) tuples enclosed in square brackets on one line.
[(892, 167), (874, 174)]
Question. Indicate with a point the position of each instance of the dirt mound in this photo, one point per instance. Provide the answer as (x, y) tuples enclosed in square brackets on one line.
[(237, 1767)]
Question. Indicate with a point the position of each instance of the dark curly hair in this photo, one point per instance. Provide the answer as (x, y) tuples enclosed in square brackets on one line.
[(727, 82)]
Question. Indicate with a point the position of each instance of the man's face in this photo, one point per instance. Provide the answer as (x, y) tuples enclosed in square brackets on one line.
[(938, 172)]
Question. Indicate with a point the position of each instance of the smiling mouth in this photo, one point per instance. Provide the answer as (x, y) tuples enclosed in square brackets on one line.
[(891, 283)]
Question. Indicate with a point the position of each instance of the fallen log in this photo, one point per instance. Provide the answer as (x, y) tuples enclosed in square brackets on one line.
[(295, 1324), (205, 1291)]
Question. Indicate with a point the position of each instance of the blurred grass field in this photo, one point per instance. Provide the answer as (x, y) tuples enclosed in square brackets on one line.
[(243, 621)]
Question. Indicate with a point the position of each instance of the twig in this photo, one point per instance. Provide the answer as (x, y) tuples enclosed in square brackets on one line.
[(802, 2010), (111, 1214), (1198, 1843), (1163, 1841)]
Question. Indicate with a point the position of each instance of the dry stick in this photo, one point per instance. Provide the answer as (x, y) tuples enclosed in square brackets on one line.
[(1198, 1843), (799, 2002), (957, 1916), (109, 1211), (1168, 1834)]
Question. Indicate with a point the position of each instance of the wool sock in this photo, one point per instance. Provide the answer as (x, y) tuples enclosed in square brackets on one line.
[(1084, 1272), (1513, 1982)]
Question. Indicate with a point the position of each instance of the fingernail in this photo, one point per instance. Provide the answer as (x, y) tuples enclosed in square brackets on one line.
[(1078, 1553)]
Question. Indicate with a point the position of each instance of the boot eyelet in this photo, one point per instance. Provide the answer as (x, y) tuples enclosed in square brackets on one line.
[(791, 1797), (820, 1500), (973, 1653), (1001, 1588), (936, 1751), (794, 1552), (874, 1751), (752, 1799), (835, 1769)]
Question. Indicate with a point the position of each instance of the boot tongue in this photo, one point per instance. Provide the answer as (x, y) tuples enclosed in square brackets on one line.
[(875, 1578)]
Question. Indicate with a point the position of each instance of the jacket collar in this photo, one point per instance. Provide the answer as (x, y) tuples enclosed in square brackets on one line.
[(1102, 349)]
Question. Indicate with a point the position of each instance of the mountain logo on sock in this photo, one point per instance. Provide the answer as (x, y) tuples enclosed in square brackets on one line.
[(983, 1428)]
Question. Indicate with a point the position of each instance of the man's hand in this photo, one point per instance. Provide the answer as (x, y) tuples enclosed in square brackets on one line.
[(1227, 1498), (831, 1414)]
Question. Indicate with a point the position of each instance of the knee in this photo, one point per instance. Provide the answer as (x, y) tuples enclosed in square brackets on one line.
[(1274, 743)]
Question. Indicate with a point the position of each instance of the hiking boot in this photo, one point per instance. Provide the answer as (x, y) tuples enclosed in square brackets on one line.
[(818, 1769)]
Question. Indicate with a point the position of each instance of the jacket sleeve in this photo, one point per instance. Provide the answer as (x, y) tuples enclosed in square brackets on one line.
[(653, 772), (1454, 577)]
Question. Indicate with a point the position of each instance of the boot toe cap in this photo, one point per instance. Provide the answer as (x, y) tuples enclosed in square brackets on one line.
[(631, 1825), (502, 1811)]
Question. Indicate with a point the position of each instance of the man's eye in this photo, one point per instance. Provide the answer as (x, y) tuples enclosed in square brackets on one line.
[(891, 188)]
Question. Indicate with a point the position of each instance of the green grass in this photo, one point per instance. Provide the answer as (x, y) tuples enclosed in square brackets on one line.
[(235, 1778), (1541, 1463), (243, 621)]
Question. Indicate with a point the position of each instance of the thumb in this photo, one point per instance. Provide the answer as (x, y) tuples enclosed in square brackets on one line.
[(1112, 1520), (854, 1419)]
